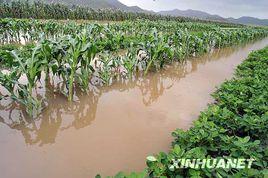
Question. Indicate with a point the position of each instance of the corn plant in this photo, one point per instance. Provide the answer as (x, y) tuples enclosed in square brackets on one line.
[(9, 81), (86, 68), (130, 62), (31, 68), (159, 50), (105, 71), (78, 46)]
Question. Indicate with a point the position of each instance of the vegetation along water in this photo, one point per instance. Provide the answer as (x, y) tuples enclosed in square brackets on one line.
[(234, 126)]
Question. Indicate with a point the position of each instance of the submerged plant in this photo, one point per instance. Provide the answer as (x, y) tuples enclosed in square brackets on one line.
[(9, 81), (130, 62), (32, 69), (86, 68), (105, 71), (78, 46), (159, 51)]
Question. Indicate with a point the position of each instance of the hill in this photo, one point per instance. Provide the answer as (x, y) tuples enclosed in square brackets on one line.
[(249, 21), (206, 16), (193, 14)]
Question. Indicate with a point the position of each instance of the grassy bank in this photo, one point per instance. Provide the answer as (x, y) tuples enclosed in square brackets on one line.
[(235, 126)]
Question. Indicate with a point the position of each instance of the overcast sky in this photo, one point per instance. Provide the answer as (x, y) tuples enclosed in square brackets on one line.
[(225, 8)]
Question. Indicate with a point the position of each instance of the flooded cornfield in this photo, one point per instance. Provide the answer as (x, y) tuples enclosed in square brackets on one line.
[(113, 128)]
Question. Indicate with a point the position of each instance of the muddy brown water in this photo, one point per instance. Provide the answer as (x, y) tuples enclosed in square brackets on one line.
[(115, 128)]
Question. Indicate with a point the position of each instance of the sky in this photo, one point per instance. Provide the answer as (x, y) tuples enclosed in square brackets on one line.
[(224, 8)]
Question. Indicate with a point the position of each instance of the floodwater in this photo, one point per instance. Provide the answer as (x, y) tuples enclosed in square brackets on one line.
[(113, 128)]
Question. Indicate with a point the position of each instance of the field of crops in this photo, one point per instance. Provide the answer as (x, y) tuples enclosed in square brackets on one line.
[(67, 57), (81, 70)]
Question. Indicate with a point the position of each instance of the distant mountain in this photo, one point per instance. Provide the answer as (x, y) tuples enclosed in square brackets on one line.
[(206, 16), (249, 21), (193, 14), (137, 9)]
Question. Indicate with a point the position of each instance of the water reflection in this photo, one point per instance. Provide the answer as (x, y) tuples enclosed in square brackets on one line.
[(61, 115)]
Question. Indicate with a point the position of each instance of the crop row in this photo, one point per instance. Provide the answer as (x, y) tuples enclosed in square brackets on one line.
[(235, 127), (27, 30), (100, 54)]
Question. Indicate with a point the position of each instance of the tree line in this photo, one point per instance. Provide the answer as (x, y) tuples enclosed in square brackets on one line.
[(41, 10)]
